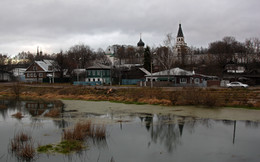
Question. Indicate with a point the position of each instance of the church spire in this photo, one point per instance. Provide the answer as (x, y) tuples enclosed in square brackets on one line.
[(180, 33)]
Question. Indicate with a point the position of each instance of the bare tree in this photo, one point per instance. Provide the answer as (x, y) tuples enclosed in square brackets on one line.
[(166, 54), (80, 56), (101, 58)]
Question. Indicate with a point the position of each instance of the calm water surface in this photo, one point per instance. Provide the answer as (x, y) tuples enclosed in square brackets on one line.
[(145, 137)]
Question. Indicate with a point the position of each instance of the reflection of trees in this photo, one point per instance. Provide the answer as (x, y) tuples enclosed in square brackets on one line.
[(227, 122), (166, 133), (191, 123), (8, 105), (61, 123), (148, 119), (169, 128), (251, 124), (100, 143)]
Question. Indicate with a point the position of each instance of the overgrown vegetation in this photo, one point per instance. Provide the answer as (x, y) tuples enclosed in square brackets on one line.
[(74, 139), (22, 146)]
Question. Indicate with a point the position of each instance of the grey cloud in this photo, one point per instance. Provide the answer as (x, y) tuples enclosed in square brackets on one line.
[(59, 22)]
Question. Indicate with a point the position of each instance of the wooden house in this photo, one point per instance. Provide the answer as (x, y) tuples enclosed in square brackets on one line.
[(39, 70)]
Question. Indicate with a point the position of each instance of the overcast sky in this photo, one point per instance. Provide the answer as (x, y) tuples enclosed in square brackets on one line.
[(59, 24)]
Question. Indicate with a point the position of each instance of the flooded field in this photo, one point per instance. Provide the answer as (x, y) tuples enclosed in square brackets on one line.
[(135, 132)]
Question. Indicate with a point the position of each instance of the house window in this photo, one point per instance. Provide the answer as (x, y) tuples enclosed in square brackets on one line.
[(40, 75), (196, 80), (35, 74), (34, 68), (98, 72), (89, 72), (183, 80), (31, 74)]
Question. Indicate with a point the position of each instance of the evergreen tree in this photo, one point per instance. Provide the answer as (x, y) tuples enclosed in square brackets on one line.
[(147, 59)]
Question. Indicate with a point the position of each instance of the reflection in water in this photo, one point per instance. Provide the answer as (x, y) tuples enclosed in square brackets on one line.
[(8, 105), (167, 134), (251, 124), (168, 137)]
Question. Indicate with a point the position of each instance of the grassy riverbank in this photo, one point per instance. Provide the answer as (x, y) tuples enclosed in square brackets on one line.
[(209, 97)]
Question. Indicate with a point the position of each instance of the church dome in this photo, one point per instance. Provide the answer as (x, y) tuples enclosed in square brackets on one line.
[(140, 43)]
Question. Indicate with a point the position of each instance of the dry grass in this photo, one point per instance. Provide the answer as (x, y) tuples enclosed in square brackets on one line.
[(16, 89), (18, 115), (22, 146), (100, 132), (182, 96), (22, 137), (79, 132), (83, 130), (53, 113), (27, 151)]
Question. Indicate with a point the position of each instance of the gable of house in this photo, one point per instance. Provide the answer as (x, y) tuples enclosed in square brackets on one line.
[(34, 67)]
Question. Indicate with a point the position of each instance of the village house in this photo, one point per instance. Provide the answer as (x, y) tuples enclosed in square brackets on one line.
[(239, 72), (97, 74), (40, 70), (177, 77), (133, 75)]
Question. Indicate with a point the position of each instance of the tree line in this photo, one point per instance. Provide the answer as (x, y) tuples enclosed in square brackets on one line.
[(163, 57)]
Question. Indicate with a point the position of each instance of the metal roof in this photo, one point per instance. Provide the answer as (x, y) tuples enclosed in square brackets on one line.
[(98, 66), (175, 71)]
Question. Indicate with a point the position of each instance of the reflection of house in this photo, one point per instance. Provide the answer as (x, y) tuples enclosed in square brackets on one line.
[(39, 70), (179, 77), (36, 108)]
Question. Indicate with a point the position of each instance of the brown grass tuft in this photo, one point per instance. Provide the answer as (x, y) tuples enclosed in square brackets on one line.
[(22, 146), (18, 115), (100, 132), (83, 130), (27, 151)]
